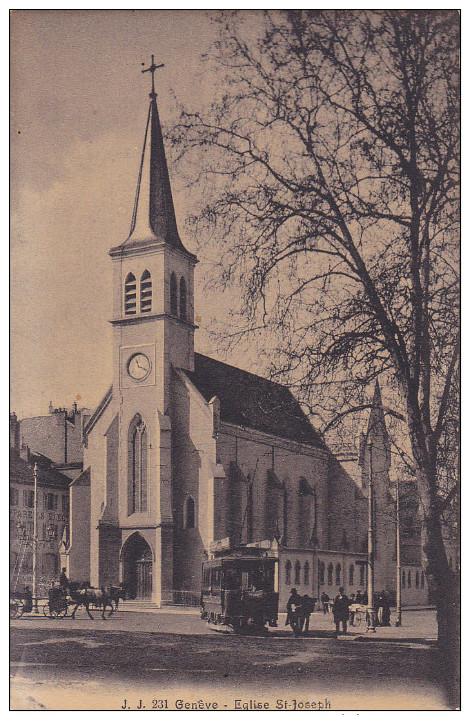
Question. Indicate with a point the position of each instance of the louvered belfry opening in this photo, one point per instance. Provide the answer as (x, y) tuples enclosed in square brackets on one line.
[(182, 299), (173, 295), (130, 295), (146, 292)]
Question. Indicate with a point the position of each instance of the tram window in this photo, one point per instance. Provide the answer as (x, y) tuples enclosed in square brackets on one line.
[(215, 580), (233, 579)]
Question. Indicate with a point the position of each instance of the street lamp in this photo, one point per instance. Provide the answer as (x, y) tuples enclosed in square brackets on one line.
[(370, 551), (398, 577), (23, 536)]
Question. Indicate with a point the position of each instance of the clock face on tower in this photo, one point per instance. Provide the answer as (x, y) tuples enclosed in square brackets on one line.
[(139, 366)]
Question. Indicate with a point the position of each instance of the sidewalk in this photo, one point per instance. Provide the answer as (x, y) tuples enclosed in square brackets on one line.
[(418, 625)]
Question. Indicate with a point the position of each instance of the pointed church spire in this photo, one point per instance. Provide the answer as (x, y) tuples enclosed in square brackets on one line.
[(153, 218), (377, 414)]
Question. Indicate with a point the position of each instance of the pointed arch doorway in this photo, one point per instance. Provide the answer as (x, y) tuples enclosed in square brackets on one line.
[(137, 562)]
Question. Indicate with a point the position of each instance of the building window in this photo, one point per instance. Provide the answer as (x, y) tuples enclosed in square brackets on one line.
[(65, 503), (145, 293), (417, 579), (297, 573), (306, 573), (137, 466), (28, 499), (173, 295), (182, 299), (330, 574), (130, 295), (15, 497), (403, 579), (422, 579), (321, 573), (51, 501), (189, 519), (362, 571), (288, 571), (409, 579), (338, 574), (351, 575)]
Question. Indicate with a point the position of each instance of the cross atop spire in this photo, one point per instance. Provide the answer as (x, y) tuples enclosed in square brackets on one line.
[(153, 217), (153, 67)]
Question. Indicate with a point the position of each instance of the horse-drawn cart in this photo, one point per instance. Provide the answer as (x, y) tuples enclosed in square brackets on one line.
[(55, 606)]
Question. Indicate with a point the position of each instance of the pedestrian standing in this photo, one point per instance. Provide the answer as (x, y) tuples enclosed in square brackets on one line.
[(325, 599), (341, 611)]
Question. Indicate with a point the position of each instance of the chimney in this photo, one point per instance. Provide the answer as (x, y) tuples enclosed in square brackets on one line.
[(14, 433)]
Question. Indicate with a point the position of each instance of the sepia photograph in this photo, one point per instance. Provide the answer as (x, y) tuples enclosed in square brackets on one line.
[(234, 360)]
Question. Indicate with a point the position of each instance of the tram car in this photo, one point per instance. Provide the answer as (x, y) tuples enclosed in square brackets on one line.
[(237, 592)]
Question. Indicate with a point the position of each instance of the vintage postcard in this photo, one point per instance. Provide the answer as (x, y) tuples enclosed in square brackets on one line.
[(234, 419)]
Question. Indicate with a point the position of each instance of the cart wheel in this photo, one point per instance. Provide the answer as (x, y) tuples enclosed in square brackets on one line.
[(46, 610), (62, 611), (13, 609)]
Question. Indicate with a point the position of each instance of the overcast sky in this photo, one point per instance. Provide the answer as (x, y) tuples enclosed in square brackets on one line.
[(79, 105)]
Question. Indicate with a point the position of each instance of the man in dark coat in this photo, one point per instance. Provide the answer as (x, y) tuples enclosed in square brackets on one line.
[(64, 583), (325, 599), (341, 611), (308, 606), (293, 609)]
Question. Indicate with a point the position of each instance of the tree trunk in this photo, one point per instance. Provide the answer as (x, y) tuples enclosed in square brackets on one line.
[(444, 589)]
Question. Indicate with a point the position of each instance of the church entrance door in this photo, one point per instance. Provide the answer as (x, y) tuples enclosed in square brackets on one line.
[(144, 577), (137, 567)]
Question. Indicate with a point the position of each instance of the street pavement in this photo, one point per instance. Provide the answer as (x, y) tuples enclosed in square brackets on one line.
[(154, 659)]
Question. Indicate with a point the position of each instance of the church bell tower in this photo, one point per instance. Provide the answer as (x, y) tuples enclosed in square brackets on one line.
[(153, 332)]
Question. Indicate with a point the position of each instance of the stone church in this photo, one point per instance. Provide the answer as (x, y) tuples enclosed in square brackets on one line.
[(184, 450)]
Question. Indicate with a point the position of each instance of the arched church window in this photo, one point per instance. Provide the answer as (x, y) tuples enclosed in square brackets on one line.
[(330, 574), (338, 574), (130, 295), (306, 573), (288, 571), (409, 579), (321, 573), (351, 575), (189, 513), (173, 295), (146, 292), (137, 466), (362, 570), (182, 299), (417, 579), (297, 572), (422, 579), (403, 579)]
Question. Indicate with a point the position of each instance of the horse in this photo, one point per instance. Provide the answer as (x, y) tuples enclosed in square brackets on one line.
[(116, 593), (85, 595)]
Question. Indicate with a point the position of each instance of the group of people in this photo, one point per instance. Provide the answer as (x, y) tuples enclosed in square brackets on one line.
[(340, 607), (299, 610)]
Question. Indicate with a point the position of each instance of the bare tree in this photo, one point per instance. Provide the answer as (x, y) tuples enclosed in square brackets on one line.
[(328, 165)]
